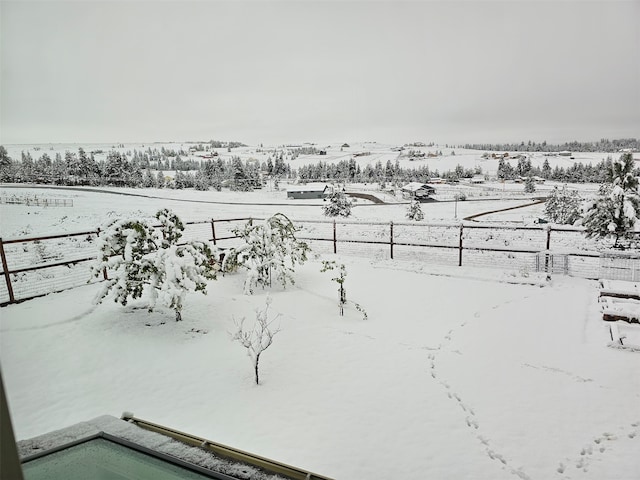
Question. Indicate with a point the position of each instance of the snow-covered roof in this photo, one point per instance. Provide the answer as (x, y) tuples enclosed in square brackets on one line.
[(308, 187), (415, 186)]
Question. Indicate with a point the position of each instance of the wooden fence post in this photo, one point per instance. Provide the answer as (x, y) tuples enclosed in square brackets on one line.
[(546, 253), (104, 270), (391, 237), (548, 237), (213, 231), (460, 246), (5, 269), (335, 239)]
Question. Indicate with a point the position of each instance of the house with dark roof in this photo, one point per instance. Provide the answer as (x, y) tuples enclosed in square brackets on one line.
[(417, 191)]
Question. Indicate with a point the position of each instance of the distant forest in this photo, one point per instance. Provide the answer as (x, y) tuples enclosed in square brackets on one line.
[(604, 145), (145, 169)]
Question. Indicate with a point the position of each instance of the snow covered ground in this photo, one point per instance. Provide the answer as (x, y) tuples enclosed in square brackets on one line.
[(456, 373)]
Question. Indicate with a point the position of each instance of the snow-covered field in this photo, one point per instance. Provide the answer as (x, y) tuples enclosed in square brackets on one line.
[(456, 373)]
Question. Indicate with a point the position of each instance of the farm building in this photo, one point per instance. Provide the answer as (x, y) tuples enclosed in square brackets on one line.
[(309, 190), (417, 190)]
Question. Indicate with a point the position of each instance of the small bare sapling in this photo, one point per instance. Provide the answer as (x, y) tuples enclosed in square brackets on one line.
[(328, 265), (342, 275), (257, 339)]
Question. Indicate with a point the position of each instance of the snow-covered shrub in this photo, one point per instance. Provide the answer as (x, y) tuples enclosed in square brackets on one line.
[(271, 249), (614, 214), (338, 206), (460, 197), (147, 263), (414, 212), (562, 206), (258, 338)]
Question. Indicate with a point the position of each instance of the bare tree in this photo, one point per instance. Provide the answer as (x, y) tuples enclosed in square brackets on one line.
[(257, 339)]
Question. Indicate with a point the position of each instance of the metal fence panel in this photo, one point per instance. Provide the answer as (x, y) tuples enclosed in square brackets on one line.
[(35, 283), (520, 250)]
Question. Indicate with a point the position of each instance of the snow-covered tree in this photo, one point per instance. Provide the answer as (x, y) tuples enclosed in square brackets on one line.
[(258, 338), (338, 205), (270, 249), (414, 212), (614, 214), (144, 262), (563, 206), (529, 185)]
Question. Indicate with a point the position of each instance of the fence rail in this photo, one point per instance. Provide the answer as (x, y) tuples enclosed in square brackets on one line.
[(36, 266)]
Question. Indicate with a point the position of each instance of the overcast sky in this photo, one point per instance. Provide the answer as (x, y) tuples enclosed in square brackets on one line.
[(281, 72)]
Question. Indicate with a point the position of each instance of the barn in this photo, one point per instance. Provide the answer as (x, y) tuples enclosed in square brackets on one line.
[(309, 191)]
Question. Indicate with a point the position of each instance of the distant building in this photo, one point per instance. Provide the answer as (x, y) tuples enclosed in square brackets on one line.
[(417, 191), (309, 191)]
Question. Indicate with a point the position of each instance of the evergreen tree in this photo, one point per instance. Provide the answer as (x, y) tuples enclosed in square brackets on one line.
[(529, 185), (414, 212), (148, 181), (160, 181), (546, 169), (563, 206), (147, 263), (339, 205), (614, 214), (116, 169), (6, 166)]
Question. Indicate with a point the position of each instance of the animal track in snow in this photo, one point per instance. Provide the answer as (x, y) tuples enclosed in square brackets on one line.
[(598, 447)]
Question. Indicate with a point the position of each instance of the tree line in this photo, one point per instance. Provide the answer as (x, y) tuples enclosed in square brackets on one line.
[(146, 169), (139, 169), (604, 145)]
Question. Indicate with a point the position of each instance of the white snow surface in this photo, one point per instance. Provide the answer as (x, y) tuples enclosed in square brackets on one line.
[(457, 373)]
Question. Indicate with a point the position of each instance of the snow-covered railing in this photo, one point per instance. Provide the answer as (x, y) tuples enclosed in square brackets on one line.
[(225, 451)]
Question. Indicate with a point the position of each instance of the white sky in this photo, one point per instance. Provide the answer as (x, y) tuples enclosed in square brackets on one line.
[(274, 72)]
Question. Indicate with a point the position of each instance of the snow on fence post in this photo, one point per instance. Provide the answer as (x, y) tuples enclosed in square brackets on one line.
[(547, 255), (391, 238), (213, 231), (5, 269), (104, 270), (335, 239), (460, 245)]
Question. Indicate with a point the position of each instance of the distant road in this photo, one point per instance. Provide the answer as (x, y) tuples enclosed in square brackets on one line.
[(98, 190), (535, 202)]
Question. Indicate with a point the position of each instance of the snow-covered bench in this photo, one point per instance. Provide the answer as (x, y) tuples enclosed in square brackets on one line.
[(620, 289), (620, 300), (614, 331)]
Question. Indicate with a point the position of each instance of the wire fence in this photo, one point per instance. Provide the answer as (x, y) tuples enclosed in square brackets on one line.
[(41, 202), (36, 266)]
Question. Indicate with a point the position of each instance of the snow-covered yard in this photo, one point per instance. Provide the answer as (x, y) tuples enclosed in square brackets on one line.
[(456, 373)]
